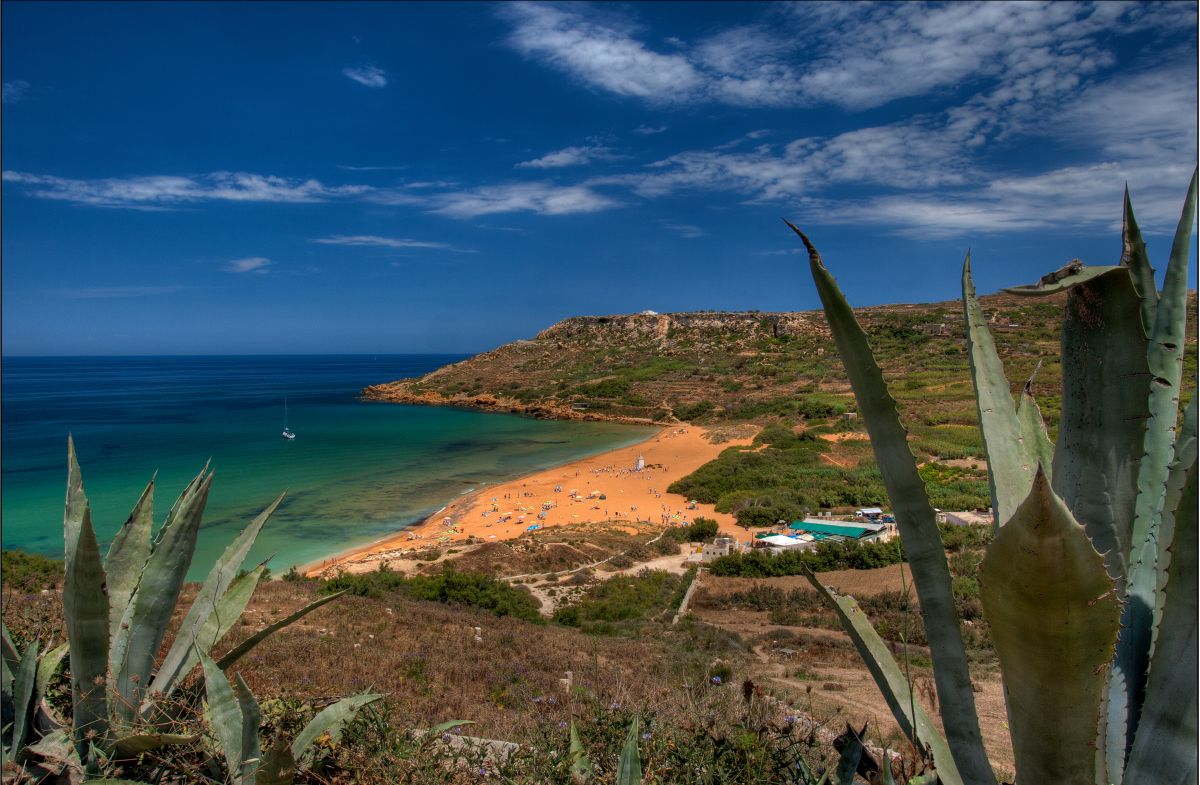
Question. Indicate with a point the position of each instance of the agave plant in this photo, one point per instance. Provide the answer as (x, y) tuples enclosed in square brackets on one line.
[(1089, 586), (117, 610)]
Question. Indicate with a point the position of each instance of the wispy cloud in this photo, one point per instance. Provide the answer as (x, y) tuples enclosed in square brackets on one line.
[(597, 53), (570, 156), (649, 130), (14, 91), (853, 55), (114, 292), (539, 197), (367, 75), (374, 241), (251, 264), (162, 191), (686, 231)]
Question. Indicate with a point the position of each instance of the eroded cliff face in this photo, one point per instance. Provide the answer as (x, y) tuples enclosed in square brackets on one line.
[(663, 327)]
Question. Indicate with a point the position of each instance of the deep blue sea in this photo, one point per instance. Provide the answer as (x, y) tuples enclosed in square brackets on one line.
[(355, 472)]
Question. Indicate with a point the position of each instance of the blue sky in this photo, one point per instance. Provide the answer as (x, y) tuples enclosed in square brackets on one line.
[(294, 178)]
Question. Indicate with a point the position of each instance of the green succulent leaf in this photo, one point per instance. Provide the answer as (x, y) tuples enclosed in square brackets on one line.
[(245, 646), (198, 625), (917, 523), (225, 714), (581, 766), (220, 620), (85, 610), (127, 556), (913, 721), (1008, 454), (1164, 358), (136, 743), (277, 767), (1103, 411), (330, 720), (1061, 280), (1134, 257), (154, 600), (23, 692), (9, 656), (1033, 429), (76, 506), (848, 760), (251, 719), (1164, 749), (629, 765), (1053, 612)]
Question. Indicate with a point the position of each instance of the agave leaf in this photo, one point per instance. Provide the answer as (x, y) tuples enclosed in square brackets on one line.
[(240, 650), (888, 777), (23, 683), (220, 620), (136, 743), (277, 767), (629, 765), (1134, 257), (152, 604), (918, 729), (918, 527), (1009, 464), (848, 760), (330, 720), (581, 766), (10, 656), (1185, 457), (127, 556), (1063, 280), (1033, 428), (1164, 358), (225, 714), (85, 610), (251, 719), (1164, 749), (46, 718), (1053, 612), (180, 657), (56, 746), (1103, 412), (76, 506)]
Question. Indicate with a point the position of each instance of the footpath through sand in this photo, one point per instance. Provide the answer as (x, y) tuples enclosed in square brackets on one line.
[(567, 494)]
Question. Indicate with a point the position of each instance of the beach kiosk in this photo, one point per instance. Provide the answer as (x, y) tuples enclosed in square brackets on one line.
[(640, 465)]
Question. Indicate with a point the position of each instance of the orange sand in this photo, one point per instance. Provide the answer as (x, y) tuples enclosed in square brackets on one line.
[(506, 510)]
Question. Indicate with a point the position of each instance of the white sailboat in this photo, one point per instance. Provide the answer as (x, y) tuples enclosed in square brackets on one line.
[(287, 432)]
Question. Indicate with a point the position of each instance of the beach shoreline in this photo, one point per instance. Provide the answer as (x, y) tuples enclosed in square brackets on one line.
[(607, 487)]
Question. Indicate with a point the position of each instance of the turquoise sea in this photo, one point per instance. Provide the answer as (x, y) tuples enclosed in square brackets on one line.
[(356, 471)]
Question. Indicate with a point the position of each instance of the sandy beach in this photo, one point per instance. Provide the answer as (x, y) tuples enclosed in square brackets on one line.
[(604, 487)]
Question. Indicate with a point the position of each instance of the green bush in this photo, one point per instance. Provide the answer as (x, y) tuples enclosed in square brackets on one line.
[(30, 572), (455, 588), (610, 606), (700, 530)]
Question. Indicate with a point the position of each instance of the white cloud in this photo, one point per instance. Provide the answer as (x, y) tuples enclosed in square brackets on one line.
[(537, 197), (367, 75), (570, 156), (686, 231), (597, 54), (251, 264), (14, 91), (164, 191), (374, 241), (115, 292), (853, 55), (649, 130)]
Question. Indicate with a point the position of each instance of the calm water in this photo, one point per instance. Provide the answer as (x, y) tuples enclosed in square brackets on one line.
[(355, 472)]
